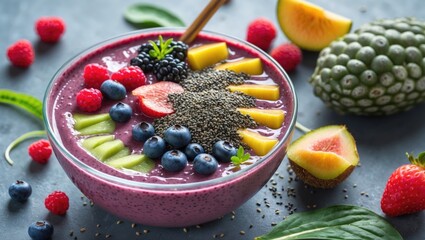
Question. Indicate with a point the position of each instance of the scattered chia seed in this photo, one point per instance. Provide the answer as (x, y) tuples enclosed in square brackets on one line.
[(242, 232), (210, 116), (138, 233), (83, 229)]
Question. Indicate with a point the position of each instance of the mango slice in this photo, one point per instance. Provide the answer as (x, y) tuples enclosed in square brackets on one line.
[(251, 66), (310, 26), (265, 92), (260, 144), (207, 55), (272, 118)]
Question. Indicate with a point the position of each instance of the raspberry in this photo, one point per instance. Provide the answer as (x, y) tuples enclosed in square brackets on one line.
[(21, 53), (131, 77), (50, 29), (89, 99), (94, 75), (57, 202), (261, 32), (288, 55), (40, 151)]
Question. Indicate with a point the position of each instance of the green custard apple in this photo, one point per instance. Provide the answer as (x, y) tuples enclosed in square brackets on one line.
[(379, 69)]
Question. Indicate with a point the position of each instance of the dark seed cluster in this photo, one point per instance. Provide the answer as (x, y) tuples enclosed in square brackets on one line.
[(210, 79), (210, 115)]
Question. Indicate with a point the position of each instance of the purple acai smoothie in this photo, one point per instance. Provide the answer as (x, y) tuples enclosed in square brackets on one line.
[(165, 206)]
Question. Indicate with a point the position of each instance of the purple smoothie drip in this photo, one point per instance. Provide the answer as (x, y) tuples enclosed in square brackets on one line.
[(117, 55)]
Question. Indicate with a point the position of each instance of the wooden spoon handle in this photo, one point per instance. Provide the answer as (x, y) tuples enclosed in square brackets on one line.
[(200, 21)]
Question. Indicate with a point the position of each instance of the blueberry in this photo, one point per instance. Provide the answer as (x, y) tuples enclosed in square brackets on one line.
[(177, 136), (154, 147), (20, 191), (174, 161), (142, 131), (205, 164), (120, 112), (113, 90), (223, 151), (192, 150), (40, 230)]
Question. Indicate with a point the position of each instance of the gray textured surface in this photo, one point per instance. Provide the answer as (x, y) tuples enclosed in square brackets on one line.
[(382, 142)]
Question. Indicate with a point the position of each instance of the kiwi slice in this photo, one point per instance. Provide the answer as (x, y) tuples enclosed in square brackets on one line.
[(93, 124), (92, 142), (137, 162), (108, 149), (122, 153)]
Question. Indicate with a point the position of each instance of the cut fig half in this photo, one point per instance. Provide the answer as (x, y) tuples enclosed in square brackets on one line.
[(324, 157)]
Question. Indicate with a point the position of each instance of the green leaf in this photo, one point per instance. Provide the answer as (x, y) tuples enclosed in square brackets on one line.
[(335, 222), (23, 101), (148, 16)]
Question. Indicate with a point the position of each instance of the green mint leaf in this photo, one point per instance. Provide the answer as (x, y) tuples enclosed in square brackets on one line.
[(246, 156), (335, 222), (235, 160), (240, 152), (148, 16), (23, 101)]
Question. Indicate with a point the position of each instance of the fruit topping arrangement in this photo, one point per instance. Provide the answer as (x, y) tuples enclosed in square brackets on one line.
[(198, 110)]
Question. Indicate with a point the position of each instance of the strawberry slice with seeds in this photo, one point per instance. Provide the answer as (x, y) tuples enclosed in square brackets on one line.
[(153, 98)]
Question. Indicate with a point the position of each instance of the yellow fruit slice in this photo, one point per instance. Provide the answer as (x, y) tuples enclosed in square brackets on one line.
[(310, 26), (260, 91), (272, 118), (325, 153), (207, 55), (260, 144), (251, 66)]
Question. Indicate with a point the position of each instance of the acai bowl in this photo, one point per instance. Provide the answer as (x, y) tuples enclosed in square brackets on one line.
[(140, 188)]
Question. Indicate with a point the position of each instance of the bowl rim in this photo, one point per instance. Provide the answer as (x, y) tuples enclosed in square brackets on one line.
[(161, 186)]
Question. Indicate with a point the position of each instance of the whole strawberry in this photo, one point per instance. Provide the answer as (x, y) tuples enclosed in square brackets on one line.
[(405, 189)]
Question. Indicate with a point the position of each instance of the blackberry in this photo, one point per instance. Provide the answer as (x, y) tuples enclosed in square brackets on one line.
[(166, 59), (170, 69), (179, 50), (144, 61)]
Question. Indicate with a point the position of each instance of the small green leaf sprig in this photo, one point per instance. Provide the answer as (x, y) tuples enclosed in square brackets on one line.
[(240, 157), (164, 48)]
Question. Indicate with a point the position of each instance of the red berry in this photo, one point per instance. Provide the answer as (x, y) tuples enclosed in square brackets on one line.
[(131, 77), (50, 29), (21, 53), (405, 189), (57, 202), (89, 99), (288, 55), (94, 75), (261, 32), (153, 98), (40, 151)]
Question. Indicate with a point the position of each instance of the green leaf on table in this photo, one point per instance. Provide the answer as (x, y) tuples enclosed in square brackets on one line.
[(148, 16), (23, 101), (335, 222)]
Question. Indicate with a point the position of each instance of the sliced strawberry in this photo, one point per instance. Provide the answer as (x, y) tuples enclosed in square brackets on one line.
[(153, 98)]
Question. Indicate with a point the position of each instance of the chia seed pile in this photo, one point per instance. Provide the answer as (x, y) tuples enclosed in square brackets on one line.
[(208, 109)]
